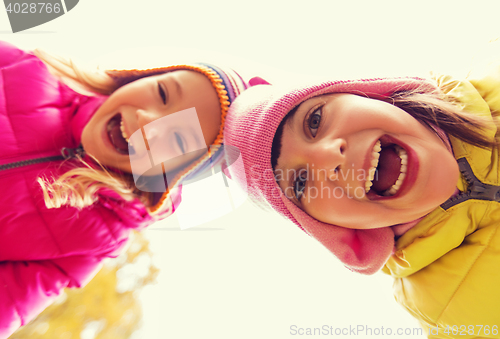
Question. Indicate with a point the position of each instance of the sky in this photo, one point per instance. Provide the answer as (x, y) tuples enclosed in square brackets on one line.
[(250, 273)]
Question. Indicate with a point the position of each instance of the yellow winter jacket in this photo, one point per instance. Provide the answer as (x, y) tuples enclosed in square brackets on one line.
[(447, 267)]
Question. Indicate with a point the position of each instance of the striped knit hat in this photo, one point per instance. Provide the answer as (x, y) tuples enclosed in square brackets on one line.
[(227, 83), (251, 124)]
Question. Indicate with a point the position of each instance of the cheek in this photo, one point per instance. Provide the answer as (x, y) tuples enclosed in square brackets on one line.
[(335, 206), (443, 175), (343, 210), (88, 139), (210, 120)]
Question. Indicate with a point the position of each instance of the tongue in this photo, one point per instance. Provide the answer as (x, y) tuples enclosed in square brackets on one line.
[(115, 135), (388, 169)]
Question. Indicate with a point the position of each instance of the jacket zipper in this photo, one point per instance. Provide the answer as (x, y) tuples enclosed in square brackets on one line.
[(475, 190), (66, 154)]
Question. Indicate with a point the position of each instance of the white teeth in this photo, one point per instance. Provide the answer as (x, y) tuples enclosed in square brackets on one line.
[(404, 157), (373, 166), (402, 172), (374, 163), (124, 134)]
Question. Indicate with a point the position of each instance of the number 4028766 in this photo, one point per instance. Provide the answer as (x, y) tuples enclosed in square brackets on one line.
[(472, 330), (40, 7)]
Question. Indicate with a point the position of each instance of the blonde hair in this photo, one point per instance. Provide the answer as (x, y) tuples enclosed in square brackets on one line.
[(79, 186)]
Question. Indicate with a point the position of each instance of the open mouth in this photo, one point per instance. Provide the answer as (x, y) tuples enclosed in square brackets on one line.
[(118, 137), (388, 169)]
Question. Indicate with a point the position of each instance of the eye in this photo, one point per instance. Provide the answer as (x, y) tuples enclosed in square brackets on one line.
[(163, 92), (180, 142), (313, 120), (300, 184)]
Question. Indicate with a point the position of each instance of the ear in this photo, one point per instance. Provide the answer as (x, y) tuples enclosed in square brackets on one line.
[(257, 81)]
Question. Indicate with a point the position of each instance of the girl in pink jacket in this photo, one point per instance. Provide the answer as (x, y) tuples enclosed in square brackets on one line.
[(68, 196)]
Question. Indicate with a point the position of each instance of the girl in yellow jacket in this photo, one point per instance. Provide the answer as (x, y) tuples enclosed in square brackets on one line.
[(395, 174)]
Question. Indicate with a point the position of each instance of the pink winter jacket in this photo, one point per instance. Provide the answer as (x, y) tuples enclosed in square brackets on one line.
[(45, 250)]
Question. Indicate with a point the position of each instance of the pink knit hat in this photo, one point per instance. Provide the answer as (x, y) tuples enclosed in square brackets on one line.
[(251, 123)]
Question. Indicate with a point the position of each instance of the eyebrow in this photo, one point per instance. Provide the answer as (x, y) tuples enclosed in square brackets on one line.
[(291, 122), (289, 183), (198, 139), (177, 87), (289, 180)]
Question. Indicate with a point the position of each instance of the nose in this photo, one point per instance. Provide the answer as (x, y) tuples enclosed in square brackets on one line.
[(328, 158), (145, 117)]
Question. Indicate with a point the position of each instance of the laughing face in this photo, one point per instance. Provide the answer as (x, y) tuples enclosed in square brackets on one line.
[(362, 163), (137, 104)]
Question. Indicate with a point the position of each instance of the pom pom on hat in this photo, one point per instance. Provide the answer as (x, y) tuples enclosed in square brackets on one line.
[(251, 124)]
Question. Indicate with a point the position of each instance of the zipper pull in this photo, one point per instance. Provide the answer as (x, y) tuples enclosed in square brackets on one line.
[(478, 190), (71, 153)]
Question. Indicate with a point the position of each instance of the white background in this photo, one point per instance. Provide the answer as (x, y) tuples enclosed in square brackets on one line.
[(251, 274)]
